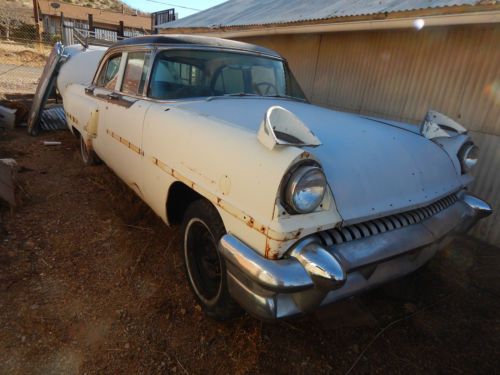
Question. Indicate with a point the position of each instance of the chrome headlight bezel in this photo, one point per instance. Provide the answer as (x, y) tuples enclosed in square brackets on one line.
[(468, 157), (295, 183)]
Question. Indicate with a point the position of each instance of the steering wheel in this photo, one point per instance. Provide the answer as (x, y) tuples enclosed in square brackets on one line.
[(266, 88)]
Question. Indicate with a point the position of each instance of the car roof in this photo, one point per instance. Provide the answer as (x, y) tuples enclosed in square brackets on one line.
[(195, 40)]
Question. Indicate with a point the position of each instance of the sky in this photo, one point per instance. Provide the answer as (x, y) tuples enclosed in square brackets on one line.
[(184, 8)]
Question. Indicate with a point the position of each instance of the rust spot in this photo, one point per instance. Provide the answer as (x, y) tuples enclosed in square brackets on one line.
[(262, 229), (268, 249), (250, 222), (305, 155), (218, 201)]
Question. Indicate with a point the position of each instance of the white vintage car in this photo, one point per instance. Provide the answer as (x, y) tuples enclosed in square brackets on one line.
[(284, 206)]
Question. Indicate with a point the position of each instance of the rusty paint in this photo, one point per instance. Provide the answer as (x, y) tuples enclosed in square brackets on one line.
[(72, 118), (270, 234), (126, 143), (206, 178), (267, 248)]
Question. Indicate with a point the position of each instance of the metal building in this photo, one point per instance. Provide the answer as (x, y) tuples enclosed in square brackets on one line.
[(391, 59)]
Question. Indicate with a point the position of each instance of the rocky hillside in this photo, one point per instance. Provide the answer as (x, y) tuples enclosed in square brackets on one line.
[(115, 5)]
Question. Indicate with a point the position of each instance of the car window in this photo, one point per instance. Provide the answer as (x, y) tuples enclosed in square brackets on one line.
[(173, 79), (109, 74), (135, 74), (193, 73), (230, 80)]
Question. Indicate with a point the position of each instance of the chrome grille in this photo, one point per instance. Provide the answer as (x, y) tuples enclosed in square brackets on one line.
[(385, 224)]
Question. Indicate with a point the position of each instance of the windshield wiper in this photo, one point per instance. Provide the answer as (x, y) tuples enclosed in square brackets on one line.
[(285, 97), (230, 95)]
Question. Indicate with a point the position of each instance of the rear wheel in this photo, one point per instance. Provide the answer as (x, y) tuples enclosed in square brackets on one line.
[(88, 155), (205, 267)]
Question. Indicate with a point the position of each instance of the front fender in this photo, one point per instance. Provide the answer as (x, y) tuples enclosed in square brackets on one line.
[(224, 163)]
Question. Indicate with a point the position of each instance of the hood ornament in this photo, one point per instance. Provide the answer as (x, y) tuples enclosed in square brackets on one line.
[(437, 125), (282, 127)]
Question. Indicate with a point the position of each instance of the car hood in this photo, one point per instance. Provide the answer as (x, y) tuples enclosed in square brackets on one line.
[(374, 167)]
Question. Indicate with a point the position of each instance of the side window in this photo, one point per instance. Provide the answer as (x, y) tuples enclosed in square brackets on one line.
[(135, 74), (109, 74)]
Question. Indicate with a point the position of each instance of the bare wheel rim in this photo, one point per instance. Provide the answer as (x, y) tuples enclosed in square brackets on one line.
[(202, 261)]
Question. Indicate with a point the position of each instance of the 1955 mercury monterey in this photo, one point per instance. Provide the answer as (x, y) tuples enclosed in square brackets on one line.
[(285, 206)]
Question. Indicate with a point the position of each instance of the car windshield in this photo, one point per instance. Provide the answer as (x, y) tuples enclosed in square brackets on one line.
[(200, 73)]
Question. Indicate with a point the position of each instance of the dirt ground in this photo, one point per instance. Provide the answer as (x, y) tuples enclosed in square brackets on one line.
[(24, 53), (92, 282)]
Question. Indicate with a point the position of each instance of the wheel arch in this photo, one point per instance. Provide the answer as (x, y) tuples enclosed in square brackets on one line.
[(179, 197)]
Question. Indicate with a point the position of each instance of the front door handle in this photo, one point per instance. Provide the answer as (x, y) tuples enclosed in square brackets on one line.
[(114, 96)]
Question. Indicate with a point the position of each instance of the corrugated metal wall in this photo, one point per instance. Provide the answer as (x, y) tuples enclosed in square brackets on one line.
[(400, 74)]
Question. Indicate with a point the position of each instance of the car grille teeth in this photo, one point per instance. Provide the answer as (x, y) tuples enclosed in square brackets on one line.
[(386, 224)]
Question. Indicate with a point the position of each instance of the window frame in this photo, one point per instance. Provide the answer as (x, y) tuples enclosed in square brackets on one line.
[(119, 88), (155, 50), (104, 66), (124, 52), (160, 49)]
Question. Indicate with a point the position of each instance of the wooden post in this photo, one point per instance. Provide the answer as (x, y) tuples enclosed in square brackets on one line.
[(121, 29), (91, 23), (63, 34), (36, 15)]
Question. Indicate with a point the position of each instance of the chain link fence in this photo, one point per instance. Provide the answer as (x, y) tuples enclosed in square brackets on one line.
[(23, 53)]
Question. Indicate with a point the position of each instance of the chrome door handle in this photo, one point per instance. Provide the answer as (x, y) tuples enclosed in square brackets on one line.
[(114, 96)]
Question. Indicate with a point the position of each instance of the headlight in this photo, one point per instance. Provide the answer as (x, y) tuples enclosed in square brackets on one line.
[(468, 155), (305, 189)]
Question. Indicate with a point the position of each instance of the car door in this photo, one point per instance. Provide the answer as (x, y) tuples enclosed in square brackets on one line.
[(122, 110)]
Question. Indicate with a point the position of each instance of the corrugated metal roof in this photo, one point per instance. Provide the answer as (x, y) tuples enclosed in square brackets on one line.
[(263, 12)]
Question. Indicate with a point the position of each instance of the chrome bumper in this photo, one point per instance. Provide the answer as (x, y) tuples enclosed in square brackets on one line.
[(314, 275)]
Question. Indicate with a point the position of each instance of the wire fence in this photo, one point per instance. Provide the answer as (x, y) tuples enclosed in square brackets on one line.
[(23, 53)]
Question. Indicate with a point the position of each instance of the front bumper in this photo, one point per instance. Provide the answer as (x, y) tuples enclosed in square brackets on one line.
[(315, 275)]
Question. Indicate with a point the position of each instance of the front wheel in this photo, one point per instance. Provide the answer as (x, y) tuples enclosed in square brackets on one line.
[(202, 230)]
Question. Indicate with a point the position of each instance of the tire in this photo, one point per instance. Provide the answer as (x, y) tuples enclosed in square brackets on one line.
[(88, 156), (202, 228)]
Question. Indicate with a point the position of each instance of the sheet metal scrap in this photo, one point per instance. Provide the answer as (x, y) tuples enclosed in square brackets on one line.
[(53, 119)]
